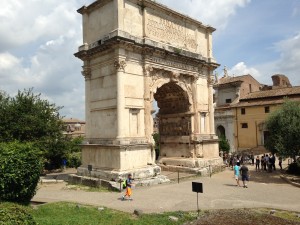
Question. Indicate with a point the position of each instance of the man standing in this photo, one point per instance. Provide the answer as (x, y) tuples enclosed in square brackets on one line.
[(280, 162), (245, 175)]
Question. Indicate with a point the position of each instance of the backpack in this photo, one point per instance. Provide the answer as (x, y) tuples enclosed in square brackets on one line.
[(124, 184)]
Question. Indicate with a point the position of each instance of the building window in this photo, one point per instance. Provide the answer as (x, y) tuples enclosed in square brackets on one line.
[(244, 125), (228, 100), (243, 111), (267, 109)]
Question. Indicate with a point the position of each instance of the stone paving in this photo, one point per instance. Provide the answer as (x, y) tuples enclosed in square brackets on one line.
[(220, 192)]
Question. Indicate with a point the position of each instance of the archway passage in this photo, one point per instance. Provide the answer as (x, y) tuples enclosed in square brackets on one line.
[(173, 105), (171, 99), (221, 131)]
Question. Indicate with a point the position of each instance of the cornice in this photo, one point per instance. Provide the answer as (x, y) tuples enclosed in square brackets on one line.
[(144, 48), (95, 5)]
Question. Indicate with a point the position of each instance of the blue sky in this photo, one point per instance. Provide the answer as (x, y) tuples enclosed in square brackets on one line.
[(39, 37)]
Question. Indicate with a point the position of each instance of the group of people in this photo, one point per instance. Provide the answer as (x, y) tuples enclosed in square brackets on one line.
[(232, 160), (264, 163), (267, 162)]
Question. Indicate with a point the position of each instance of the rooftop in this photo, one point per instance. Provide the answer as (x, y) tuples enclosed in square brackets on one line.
[(72, 120), (234, 81), (278, 92)]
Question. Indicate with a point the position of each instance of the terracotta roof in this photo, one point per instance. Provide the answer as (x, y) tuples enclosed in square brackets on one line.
[(72, 120), (264, 102), (278, 92), (227, 80), (224, 106)]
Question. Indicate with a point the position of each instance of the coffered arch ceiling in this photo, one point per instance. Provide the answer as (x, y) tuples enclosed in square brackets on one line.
[(171, 99)]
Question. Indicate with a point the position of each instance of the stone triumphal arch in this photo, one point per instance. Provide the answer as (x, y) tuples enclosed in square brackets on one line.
[(135, 52)]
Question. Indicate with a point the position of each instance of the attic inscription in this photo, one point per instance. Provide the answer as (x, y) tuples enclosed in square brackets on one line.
[(172, 63), (171, 32)]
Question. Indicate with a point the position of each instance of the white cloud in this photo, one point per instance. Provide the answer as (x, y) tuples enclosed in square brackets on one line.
[(213, 12), (242, 69), (26, 21), (289, 55), (288, 62), (37, 41), (8, 61)]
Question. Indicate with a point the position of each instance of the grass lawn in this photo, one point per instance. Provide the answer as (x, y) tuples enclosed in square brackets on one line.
[(74, 214), (64, 213)]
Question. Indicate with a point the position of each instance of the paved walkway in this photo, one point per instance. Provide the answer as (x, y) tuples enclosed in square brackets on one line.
[(220, 192)]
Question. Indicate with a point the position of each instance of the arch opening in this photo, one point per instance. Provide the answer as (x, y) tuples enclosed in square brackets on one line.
[(221, 131), (171, 99), (174, 120)]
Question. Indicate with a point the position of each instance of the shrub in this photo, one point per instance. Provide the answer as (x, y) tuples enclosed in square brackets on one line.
[(294, 168), (20, 169), (74, 159), (223, 144), (13, 214)]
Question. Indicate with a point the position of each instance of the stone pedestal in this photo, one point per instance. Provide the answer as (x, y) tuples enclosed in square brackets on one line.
[(113, 162)]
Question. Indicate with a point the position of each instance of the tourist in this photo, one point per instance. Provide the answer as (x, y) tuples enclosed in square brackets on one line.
[(262, 162), (266, 159), (236, 172), (129, 185), (231, 162), (257, 162), (272, 160), (242, 159), (252, 159), (280, 162), (245, 175)]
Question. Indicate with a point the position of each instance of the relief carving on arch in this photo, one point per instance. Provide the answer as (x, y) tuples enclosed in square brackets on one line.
[(161, 76)]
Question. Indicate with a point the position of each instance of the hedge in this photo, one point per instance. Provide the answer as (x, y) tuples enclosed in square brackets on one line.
[(14, 214), (20, 168)]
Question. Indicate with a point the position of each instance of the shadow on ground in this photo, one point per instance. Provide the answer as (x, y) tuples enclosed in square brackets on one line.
[(267, 177)]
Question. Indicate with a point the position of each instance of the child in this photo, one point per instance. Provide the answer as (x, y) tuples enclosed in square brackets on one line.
[(128, 188), (236, 170)]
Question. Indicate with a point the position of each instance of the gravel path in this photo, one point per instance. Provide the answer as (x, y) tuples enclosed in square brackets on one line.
[(220, 192)]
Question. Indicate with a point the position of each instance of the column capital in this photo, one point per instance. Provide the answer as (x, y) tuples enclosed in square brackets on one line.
[(120, 65), (210, 80), (86, 72)]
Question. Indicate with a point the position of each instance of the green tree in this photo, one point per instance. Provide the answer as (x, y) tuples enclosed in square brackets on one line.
[(29, 118), (223, 144), (284, 127)]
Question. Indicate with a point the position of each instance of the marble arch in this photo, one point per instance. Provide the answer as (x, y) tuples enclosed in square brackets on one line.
[(134, 51)]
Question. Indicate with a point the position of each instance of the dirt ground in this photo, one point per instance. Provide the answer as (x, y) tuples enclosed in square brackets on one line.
[(247, 217)]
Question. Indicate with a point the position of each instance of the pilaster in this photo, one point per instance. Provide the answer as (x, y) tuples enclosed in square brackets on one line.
[(120, 65)]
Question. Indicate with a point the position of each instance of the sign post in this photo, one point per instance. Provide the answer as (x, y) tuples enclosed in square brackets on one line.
[(197, 187), (90, 168)]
